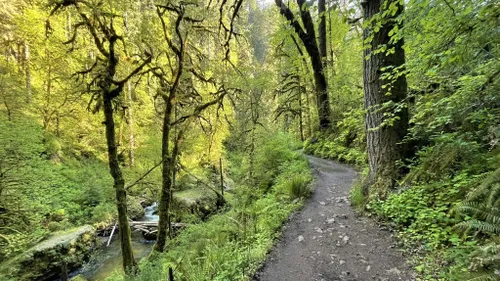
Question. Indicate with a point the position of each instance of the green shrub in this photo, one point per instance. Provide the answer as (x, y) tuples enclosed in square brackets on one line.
[(298, 187), (331, 146), (423, 213), (356, 196)]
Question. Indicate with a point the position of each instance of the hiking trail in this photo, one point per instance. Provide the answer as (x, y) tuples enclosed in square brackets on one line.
[(327, 241)]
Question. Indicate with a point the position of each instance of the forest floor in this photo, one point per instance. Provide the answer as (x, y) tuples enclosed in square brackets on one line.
[(327, 241)]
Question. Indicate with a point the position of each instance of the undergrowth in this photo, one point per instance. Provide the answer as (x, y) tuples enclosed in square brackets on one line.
[(233, 245)]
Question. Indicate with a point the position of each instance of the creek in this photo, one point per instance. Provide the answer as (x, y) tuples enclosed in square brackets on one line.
[(106, 260)]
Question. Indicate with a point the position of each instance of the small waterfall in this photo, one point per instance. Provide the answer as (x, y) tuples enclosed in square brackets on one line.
[(150, 213)]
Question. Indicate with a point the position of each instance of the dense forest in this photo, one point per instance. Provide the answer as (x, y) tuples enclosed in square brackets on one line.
[(174, 135)]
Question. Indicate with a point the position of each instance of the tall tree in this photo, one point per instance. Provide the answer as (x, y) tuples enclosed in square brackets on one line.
[(186, 90), (385, 90), (100, 25), (307, 35)]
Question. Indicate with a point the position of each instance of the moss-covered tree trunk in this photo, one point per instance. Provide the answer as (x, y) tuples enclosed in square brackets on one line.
[(130, 123), (169, 157), (167, 169), (385, 127), (108, 94)]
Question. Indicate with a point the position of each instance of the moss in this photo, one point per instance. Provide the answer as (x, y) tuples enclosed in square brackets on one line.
[(197, 202), (191, 196), (134, 208), (45, 260)]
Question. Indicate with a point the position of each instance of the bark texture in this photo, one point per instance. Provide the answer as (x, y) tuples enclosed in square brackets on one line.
[(167, 169), (130, 123), (383, 136), (114, 165)]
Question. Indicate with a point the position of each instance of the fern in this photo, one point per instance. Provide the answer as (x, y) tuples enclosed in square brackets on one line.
[(481, 211), (479, 226), (482, 276), (489, 187), (483, 205)]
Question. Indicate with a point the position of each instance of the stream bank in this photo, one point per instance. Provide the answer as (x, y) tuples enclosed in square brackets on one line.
[(105, 260)]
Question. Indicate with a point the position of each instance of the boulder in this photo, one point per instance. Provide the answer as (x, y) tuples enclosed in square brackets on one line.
[(64, 250), (134, 208), (200, 202)]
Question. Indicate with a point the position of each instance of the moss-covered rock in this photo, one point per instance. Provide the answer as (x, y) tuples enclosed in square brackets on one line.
[(134, 208), (64, 250), (200, 202)]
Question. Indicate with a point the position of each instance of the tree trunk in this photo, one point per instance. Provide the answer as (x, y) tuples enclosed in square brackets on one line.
[(46, 111), (167, 168), (129, 264), (308, 38), (382, 138), (27, 71), (322, 100), (119, 186), (130, 123), (9, 113), (322, 29)]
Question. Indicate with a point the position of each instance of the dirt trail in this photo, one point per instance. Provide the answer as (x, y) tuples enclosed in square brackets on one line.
[(326, 241)]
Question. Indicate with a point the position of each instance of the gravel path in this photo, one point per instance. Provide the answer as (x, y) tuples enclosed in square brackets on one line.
[(327, 241)]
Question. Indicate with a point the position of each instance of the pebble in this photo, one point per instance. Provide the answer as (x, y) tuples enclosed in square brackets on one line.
[(394, 271)]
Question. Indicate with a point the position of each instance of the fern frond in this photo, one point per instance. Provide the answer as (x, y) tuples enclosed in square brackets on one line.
[(491, 249), (482, 276), (483, 190), (479, 226), (494, 197), (481, 211)]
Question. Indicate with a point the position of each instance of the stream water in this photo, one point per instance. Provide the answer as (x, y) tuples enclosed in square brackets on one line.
[(106, 260)]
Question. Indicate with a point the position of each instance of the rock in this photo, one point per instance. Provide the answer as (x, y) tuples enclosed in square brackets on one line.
[(79, 277), (330, 221), (146, 202), (394, 271), (345, 239), (322, 203), (45, 260), (318, 230), (341, 199), (301, 238), (135, 210)]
